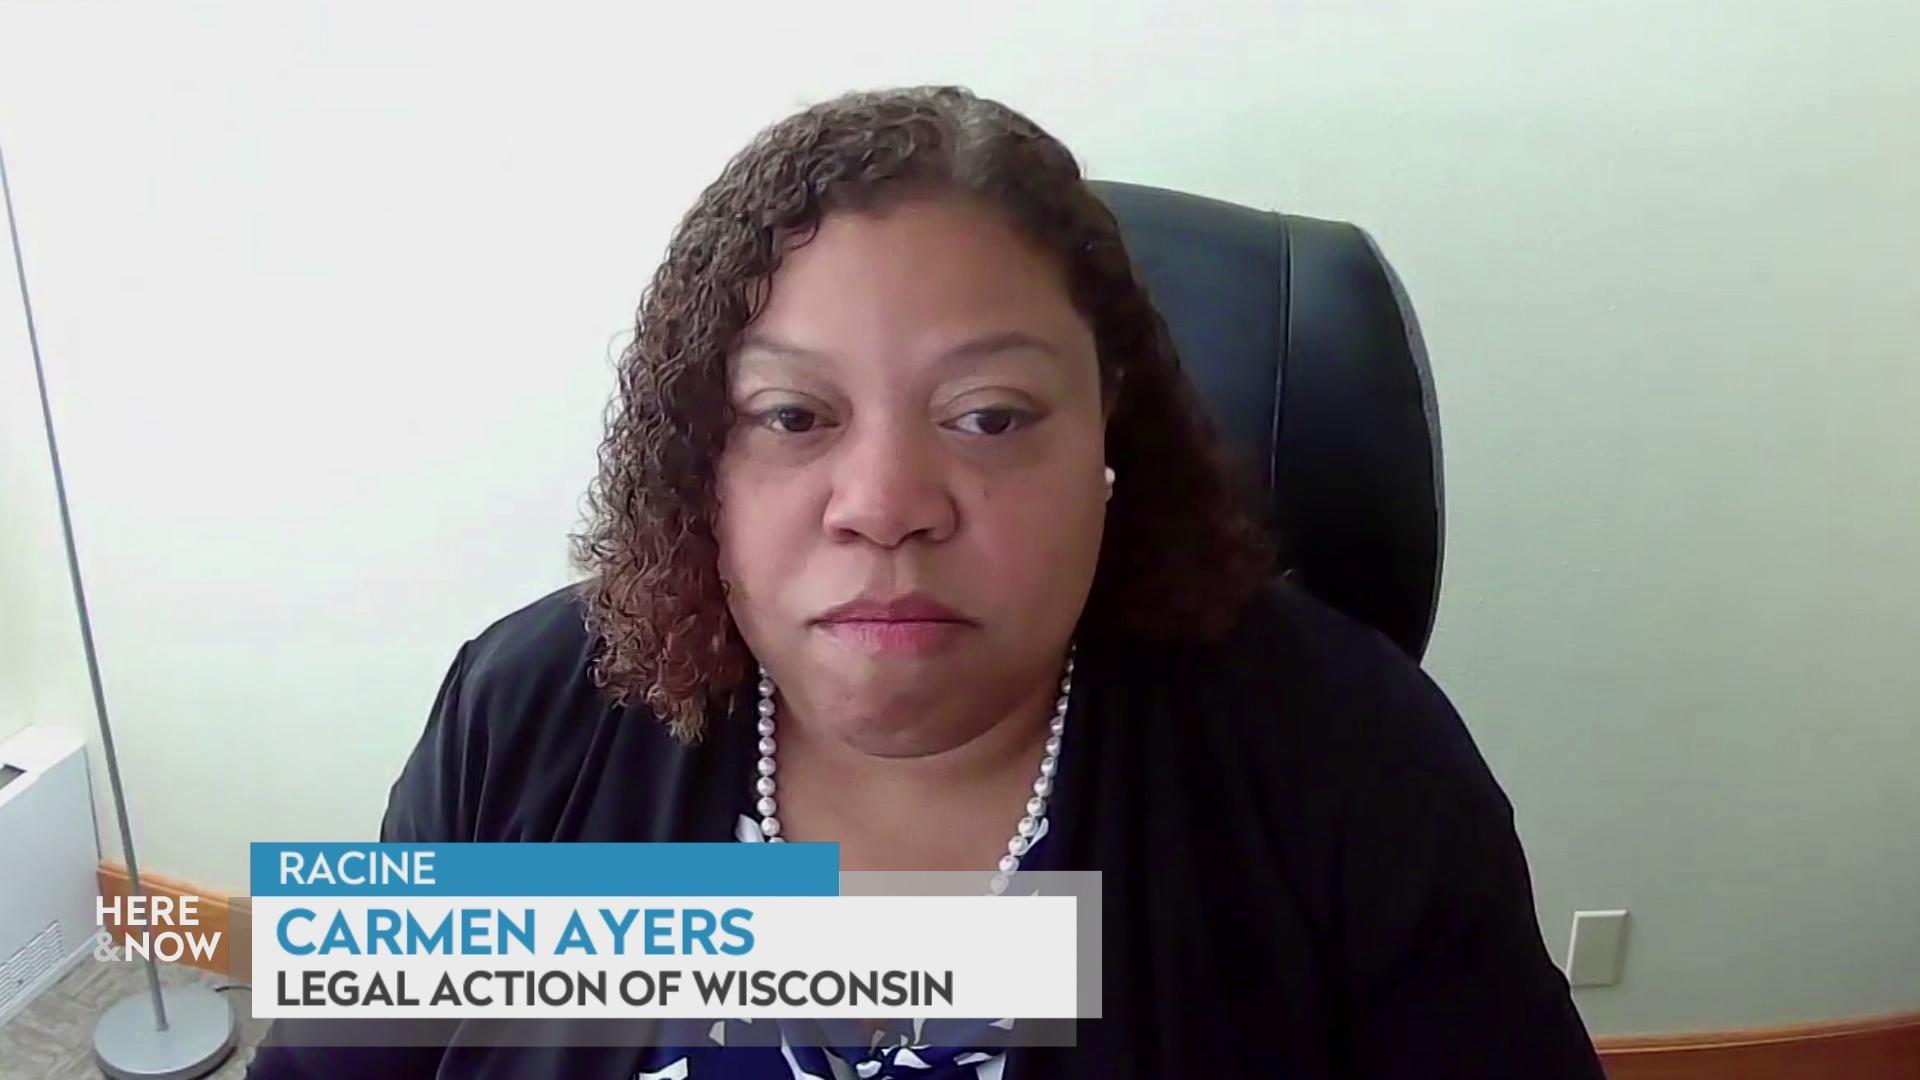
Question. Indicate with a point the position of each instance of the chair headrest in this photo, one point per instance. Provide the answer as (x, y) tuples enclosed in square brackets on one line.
[(1299, 338)]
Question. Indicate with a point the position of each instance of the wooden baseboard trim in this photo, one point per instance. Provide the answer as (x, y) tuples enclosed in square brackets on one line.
[(216, 911), (1862, 1048)]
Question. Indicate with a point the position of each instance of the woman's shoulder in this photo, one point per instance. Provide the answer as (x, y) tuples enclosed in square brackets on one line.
[(1396, 842), (1304, 682), (527, 678), (544, 642), (517, 714)]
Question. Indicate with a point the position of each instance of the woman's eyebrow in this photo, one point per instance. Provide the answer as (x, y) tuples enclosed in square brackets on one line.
[(972, 349), (1003, 341), (759, 342)]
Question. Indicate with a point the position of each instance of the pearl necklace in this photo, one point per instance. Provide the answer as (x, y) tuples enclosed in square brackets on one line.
[(1025, 832)]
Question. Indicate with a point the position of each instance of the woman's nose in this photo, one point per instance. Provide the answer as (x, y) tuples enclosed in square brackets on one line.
[(889, 486)]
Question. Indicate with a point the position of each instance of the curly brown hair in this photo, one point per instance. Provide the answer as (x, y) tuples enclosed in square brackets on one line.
[(1183, 549)]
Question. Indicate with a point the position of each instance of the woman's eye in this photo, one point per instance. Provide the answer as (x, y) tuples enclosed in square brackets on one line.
[(791, 419), (990, 421)]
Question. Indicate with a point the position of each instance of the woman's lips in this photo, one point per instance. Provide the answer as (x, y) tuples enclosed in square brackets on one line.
[(911, 625), (897, 637)]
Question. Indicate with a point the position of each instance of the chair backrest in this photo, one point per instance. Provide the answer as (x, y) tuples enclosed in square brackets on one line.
[(1300, 339)]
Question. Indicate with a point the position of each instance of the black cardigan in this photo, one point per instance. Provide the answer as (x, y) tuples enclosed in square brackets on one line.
[(1308, 870)]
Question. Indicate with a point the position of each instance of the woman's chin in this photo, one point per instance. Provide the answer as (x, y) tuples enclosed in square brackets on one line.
[(884, 735), (886, 713)]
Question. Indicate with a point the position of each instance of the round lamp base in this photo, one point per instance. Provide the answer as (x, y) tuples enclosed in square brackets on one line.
[(200, 1035)]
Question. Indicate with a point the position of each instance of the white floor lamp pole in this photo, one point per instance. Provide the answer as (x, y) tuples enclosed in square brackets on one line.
[(170, 1032)]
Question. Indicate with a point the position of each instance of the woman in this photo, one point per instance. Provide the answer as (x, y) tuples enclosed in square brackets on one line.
[(902, 468)]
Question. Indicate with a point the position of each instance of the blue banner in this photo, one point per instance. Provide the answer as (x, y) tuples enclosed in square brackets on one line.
[(497, 870)]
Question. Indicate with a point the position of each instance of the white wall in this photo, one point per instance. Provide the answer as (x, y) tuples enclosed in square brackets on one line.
[(329, 293), (43, 677)]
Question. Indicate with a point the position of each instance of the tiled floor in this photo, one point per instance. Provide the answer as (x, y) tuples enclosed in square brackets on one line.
[(52, 1039)]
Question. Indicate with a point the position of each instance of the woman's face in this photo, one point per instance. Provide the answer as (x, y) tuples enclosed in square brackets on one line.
[(912, 499)]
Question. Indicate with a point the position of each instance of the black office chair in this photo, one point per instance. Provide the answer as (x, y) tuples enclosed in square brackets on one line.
[(1299, 338)]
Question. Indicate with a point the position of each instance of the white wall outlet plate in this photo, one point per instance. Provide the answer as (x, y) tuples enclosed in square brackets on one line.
[(1598, 948)]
